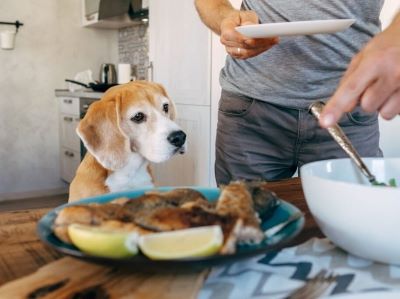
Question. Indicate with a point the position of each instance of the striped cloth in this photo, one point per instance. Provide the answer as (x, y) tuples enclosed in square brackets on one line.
[(276, 274)]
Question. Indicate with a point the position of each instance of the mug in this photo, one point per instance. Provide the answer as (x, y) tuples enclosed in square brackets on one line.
[(7, 39), (125, 73)]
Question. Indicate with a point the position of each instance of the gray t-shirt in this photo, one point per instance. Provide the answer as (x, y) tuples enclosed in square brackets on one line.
[(302, 69)]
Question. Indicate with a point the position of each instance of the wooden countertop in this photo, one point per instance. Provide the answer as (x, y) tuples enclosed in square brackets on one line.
[(22, 253)]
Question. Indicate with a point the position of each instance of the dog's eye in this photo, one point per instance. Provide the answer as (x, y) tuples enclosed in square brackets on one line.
[(138, 118), (165, 108)]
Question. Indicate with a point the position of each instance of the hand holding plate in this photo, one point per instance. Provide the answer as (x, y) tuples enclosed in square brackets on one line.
[(238, 45)]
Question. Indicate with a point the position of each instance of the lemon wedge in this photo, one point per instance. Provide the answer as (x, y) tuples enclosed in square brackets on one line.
[(185, 243), (103, 242)]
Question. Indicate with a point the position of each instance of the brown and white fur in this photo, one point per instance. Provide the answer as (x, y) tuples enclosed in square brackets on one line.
[(129, 127)]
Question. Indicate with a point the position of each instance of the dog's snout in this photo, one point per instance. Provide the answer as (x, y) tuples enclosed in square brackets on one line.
[(177, 138)]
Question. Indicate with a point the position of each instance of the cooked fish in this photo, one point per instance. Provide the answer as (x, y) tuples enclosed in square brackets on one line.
[(92, 214), (264, 200), (153, 200), (237, 212), (174, 218), (179, 196), (236, 200), (122, 211)]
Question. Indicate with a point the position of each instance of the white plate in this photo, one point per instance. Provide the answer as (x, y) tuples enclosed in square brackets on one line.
[(368, 295), (295, 28)]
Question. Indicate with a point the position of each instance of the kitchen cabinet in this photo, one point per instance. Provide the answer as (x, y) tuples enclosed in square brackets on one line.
[(180, 54), (72, 107), (69, 140), (90, 17), (179, 49), (186, 57)]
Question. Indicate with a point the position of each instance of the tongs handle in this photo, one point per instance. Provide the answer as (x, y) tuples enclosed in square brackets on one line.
[(337, 133)]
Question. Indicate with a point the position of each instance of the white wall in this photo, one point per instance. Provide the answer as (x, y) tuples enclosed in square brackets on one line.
[(50, 47), (390, 142), (389, 10)]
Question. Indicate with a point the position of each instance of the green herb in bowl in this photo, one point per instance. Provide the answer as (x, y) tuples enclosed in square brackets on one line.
[(392, 183)]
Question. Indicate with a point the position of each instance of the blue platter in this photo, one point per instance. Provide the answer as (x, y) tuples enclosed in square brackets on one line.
[(282, 212)]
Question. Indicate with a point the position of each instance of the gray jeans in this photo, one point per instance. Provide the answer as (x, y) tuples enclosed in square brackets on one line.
[(258, 140)]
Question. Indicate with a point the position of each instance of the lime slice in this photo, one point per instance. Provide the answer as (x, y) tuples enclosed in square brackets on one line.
[(192, 242), (103, 242)]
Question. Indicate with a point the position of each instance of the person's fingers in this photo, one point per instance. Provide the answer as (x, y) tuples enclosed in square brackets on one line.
[(254, 52), (228, 25), (391, 107), (248, 17), (251, 18), (228, 32), (235, 42), (264, 42), (348, 94), (235, 52), (232, 38), (352, 67), (238, 45), (376, 94), (242, 53), (252, 43), (356, 83), (262, 46), (372, 78)]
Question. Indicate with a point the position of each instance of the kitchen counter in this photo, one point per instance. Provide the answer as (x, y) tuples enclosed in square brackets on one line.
[(82, 93)]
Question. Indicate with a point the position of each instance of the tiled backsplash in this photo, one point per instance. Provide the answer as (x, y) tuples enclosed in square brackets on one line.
[(133, 48)]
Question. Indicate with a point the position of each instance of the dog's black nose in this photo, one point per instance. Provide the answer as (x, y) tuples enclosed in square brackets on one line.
[(177, 138)]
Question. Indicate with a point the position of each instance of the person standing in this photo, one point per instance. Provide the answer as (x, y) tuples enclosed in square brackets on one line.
[(265, 130)]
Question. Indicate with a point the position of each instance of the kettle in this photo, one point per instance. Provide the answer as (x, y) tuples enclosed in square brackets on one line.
[(108, 74)]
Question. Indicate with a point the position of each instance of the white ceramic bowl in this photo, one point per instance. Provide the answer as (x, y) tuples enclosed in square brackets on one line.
[(362, 219)]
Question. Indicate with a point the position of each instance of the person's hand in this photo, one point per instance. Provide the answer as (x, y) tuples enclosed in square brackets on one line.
[(239, 46), (372, 79)]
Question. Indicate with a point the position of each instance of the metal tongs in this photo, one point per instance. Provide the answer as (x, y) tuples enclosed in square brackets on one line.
[(339, 136)]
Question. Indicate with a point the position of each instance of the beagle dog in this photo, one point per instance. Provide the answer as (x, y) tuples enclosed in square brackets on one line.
[(129, 127)]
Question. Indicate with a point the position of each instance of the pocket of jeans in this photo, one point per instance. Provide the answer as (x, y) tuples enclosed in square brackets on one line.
[(360, 118), (234, 105)]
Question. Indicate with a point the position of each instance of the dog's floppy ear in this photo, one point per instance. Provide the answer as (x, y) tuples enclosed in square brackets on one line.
[(101, 133)]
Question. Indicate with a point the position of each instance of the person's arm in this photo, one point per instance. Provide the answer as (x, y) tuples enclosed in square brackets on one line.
[(372, 79), (212, 12), (222, 18)]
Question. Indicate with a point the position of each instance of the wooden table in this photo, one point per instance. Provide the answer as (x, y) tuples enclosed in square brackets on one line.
[(22, 254)]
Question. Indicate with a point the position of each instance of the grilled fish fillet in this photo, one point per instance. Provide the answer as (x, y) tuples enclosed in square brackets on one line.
[(236, 200), (122, 210), (264, 200), (236, 211), (105, 215)]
